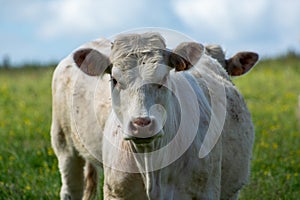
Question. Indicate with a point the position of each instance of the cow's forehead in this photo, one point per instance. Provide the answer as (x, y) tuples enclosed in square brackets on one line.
[(125, 45), (148, 73), (131, 60), (139, 55)]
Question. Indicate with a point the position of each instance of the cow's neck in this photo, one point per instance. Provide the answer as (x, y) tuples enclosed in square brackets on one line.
[(153, 181), (151, 178)]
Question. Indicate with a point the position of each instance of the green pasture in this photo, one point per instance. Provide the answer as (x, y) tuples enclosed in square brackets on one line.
[(28, 166)]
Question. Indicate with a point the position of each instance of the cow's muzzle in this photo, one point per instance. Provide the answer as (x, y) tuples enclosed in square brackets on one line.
[(143, 130)]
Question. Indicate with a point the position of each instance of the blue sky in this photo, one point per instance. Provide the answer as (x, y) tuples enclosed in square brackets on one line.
[(48, 30)]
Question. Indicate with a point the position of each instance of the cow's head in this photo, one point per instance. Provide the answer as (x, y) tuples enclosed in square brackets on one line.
[(140, 65)]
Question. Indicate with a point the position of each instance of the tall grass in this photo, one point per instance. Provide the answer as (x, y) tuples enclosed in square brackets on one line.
[(28, 167), (271, 91)]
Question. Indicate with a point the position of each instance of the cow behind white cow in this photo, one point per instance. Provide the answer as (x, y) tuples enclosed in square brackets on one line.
[(155, 93)]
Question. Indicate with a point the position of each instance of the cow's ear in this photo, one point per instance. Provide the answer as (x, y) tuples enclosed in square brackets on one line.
[(185, 55), (92, 62), (241, 63)]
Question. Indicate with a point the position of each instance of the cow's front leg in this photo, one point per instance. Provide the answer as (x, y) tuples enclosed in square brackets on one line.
[(71, 169), (71, 164)]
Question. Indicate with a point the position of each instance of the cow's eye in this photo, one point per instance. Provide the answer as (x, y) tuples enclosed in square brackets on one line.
[(114, 82), (154, 61), (162, 83)]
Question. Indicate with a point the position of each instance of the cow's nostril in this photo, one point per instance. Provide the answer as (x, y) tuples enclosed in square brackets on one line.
[(141, 121)]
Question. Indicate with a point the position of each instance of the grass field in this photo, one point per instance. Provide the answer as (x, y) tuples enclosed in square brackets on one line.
[(28, 167)]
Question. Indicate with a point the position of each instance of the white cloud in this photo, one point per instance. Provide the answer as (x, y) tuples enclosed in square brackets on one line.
[(77, 17), (267, 26), (270, 25), (226, 18), (287, 18)]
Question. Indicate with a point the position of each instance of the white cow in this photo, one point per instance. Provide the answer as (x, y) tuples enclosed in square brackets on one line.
[(165, 124)]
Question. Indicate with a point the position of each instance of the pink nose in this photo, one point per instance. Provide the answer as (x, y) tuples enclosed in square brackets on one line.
[(141, 121), (142, 130), (142, 127)]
